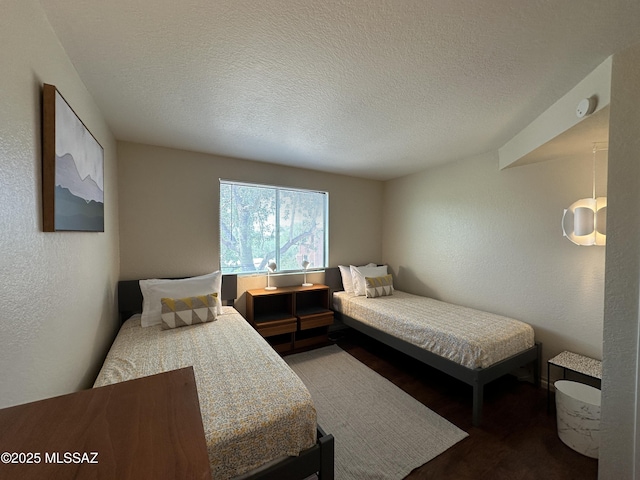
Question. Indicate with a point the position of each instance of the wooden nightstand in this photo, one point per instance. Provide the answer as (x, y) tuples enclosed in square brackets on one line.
[(291, 318)]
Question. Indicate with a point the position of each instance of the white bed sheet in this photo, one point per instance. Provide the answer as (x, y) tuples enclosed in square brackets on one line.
[(472, 338), (254, 407)]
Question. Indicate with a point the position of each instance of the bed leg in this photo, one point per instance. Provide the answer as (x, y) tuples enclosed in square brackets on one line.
[(326, 456), (478, 393), (537, 369)]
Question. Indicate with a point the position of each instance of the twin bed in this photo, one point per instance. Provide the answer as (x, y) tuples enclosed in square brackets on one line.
[(473, 346), (258, 417)]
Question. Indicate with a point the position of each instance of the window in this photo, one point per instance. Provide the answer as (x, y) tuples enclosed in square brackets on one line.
[(260, 223)]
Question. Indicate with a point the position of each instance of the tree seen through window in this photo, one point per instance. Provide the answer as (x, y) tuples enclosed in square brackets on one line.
[(262, 223)]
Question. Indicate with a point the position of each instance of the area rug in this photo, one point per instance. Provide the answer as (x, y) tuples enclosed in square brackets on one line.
[(380, 431)]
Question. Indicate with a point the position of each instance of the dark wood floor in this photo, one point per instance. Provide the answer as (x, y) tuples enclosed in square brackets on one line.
[(517, 439)]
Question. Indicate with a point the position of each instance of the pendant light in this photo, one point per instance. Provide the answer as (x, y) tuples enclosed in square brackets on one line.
[(585, 221)]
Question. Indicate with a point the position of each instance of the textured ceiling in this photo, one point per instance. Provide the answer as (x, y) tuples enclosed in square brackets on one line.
[(371, 88)]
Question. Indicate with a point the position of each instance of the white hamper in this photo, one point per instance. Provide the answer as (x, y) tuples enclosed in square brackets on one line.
[(578, 416)]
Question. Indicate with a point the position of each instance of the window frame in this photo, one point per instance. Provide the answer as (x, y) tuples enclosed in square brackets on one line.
[(278, 189)]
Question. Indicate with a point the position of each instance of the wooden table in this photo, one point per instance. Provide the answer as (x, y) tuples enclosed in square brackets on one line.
[(150, 427)]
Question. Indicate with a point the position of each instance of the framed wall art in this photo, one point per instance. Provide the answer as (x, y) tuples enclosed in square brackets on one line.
[(72, 169)]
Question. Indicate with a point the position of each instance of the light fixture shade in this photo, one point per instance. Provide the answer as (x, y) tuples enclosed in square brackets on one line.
[(584, 222), (305, 264), (601, 219), (271, 266), (584, 219)]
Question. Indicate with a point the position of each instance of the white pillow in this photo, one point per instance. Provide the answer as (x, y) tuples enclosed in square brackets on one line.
[(347, 280), (358, 274), (155, 289)]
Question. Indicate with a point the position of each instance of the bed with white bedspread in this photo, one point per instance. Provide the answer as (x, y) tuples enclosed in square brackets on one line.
[(472, 338), (259, 419), (473, 346)]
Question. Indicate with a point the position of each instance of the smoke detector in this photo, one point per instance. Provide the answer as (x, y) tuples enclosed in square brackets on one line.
[(586, 107)]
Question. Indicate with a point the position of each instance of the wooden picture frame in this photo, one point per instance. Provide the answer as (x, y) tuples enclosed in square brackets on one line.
[(72, 169)]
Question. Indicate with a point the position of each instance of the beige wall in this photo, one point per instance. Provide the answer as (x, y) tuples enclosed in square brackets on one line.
[(169, 212), (619, 454), (470, 234), (56, 289)]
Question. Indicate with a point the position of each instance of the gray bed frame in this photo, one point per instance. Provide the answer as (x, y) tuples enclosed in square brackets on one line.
[(318, 459), (476, 377)]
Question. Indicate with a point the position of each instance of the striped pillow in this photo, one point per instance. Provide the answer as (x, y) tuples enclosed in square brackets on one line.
[(180, 312), (379, 286)]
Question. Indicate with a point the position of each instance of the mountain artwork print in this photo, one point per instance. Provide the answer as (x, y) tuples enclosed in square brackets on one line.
[(78, 175)]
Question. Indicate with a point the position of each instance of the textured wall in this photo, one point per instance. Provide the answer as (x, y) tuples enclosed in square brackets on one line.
[(56, 289), (169, 211), (619, 455), (471, 234)]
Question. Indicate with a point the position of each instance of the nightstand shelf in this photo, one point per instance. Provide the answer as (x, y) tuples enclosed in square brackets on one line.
[(309, 311), (291, 318)]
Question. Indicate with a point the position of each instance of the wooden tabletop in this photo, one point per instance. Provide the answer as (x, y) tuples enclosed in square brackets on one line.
[(150, 427), (256, 292)]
